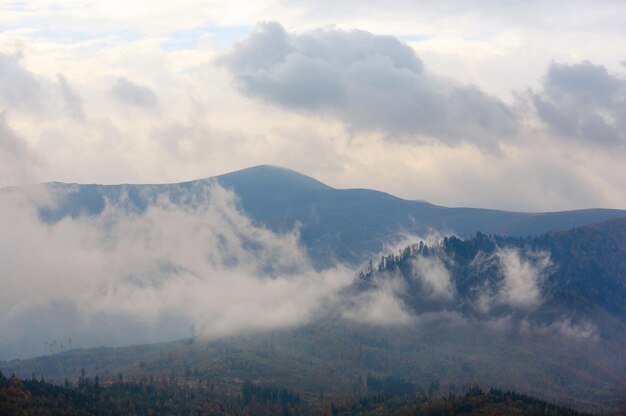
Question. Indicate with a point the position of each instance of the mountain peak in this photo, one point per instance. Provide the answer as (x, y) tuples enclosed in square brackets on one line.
[(269, 174)]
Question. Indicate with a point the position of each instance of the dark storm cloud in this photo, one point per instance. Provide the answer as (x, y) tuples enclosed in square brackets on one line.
[(584, 101), (370, 82), (128, 92), (19, 89)]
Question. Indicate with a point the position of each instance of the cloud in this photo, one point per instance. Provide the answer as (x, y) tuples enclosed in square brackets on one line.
[(19, 88), (582, 330), (434, 276), (381, 304), (73, 101), (585, 102), (518, 284), (128, 92), (156, 272), (203, 135), (370, 82), (522, 277), (18, 163), (578, 330)]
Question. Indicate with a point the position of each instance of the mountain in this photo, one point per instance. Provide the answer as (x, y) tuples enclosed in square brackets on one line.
[(542, 315), (577, 273), (349, 225)]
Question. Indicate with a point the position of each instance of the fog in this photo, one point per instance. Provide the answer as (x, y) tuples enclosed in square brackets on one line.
[(127, 277), (203, 268)]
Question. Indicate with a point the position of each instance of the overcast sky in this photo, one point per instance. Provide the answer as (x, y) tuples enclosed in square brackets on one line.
[(518, 105)]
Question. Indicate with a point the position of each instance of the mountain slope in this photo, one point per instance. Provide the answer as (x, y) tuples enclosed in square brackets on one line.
[(576, 275)]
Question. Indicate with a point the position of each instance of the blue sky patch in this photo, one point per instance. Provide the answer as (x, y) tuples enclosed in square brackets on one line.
[(71, 36), (414, 37), (188, 39)]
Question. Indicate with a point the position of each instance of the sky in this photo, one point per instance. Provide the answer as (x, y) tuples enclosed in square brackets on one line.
[(517, 105)]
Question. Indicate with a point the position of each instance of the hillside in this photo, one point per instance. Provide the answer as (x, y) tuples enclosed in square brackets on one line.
[(564, 344), (579, 272)]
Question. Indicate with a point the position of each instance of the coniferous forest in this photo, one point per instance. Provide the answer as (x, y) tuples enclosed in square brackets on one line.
[(31, 397)]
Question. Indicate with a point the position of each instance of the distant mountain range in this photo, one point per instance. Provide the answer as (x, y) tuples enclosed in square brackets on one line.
[(348, 225)]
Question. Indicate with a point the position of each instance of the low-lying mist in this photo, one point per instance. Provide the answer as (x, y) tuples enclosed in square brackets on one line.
[(168, 272), (201, 267)]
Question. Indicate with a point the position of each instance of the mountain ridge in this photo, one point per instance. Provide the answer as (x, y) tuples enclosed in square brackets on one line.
[(275, 170), (347, 225)]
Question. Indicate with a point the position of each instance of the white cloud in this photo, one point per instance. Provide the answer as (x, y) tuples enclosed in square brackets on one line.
[(381, 304), (580, 331), (564, 328), (18, 162), (73, 101), (163, 269), (585, 102), (519, 279), (128, 92), (434, 276), (372, 83), (19, 88), (521, 286)]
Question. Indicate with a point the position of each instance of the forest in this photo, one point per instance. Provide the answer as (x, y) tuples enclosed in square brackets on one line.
[(30, 397)]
